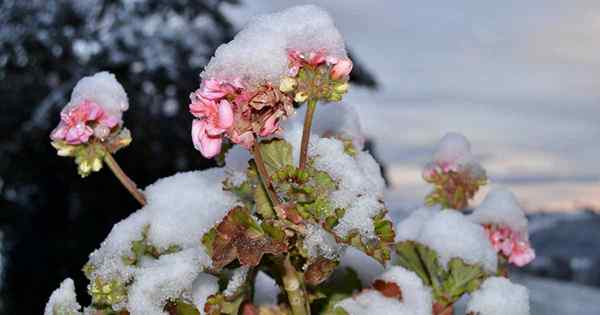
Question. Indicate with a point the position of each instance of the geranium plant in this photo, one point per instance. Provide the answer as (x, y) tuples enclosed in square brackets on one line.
[(275, 230)]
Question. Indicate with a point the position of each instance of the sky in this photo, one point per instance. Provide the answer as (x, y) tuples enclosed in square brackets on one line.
[(520, 79)]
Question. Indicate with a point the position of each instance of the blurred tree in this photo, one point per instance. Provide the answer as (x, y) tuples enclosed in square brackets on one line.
[(50, 219)]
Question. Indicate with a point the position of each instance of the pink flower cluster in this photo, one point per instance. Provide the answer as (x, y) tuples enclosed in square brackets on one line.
[(227, 108), (510, 244), (80, 122), (340, 67)]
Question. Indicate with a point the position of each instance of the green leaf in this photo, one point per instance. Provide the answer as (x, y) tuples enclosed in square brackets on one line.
[(263, 204), (408, 257), (464, 278), (276, 154)]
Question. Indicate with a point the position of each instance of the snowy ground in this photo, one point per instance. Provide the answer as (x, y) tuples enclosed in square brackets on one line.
[(519, 79)]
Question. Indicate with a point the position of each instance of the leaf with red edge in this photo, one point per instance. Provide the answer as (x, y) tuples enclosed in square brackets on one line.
[(240, 237)]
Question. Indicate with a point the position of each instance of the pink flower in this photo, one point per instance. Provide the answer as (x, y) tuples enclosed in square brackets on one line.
[(296, 60), (522, 254), (341, 69), (219, 116), (213, 120), (214, 89), (510, 244), (208, 145), (316, 58), (79, 123)]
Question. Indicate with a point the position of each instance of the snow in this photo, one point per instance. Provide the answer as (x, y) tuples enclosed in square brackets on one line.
[(409, 228), (365, 266), (501, 207), (360, 183), (236, 164), (451, 234), (258, 52), (170, 276), (415, 295), (63, 300), (185, 206), (179, 210), (453, 148), (107, 260), (320, 243), (265, 289), (339, 120), (203, 286), (373, 302), (103, 89), (237, 281), (499, 296)]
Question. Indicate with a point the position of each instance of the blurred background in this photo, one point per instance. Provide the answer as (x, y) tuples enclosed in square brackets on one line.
[(520, 80)]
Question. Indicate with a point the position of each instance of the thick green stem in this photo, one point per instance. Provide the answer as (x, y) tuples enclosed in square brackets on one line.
[(310, 112), (124, 179), (293, 284), (264, 175)]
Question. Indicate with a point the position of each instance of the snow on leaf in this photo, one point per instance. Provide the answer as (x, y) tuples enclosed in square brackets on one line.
[(448, 284)]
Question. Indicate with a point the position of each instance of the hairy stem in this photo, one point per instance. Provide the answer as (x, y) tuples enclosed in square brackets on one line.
[(264, 175), (310, 112), (293, 284), (124, 179)]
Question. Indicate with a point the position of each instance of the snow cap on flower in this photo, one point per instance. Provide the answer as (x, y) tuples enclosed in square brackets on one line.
[(103, 89), (259, 52), (453, 151), (500, 207), (96, 106), (499, 296), (506, 225)]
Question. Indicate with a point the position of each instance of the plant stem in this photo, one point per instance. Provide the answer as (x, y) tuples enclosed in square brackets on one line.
[(264, 175), (293, 283), (440, 309), (126, 181), (310, 111)]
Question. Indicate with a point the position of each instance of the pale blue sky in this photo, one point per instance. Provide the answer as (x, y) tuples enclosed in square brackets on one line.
[(521, 79)]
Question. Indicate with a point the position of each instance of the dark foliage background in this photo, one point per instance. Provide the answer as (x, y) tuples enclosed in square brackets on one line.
[(50, 220)]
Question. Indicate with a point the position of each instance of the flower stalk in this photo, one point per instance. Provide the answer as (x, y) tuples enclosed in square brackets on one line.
[(124, 179), (293, 285), (310, 112), (264, 175)]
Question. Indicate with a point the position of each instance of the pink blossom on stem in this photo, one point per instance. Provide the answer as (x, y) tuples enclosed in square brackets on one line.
[(215, 89), (510, 244), (341, 69), (214, 118), (208, 145), (79, 123), (297, 59)]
